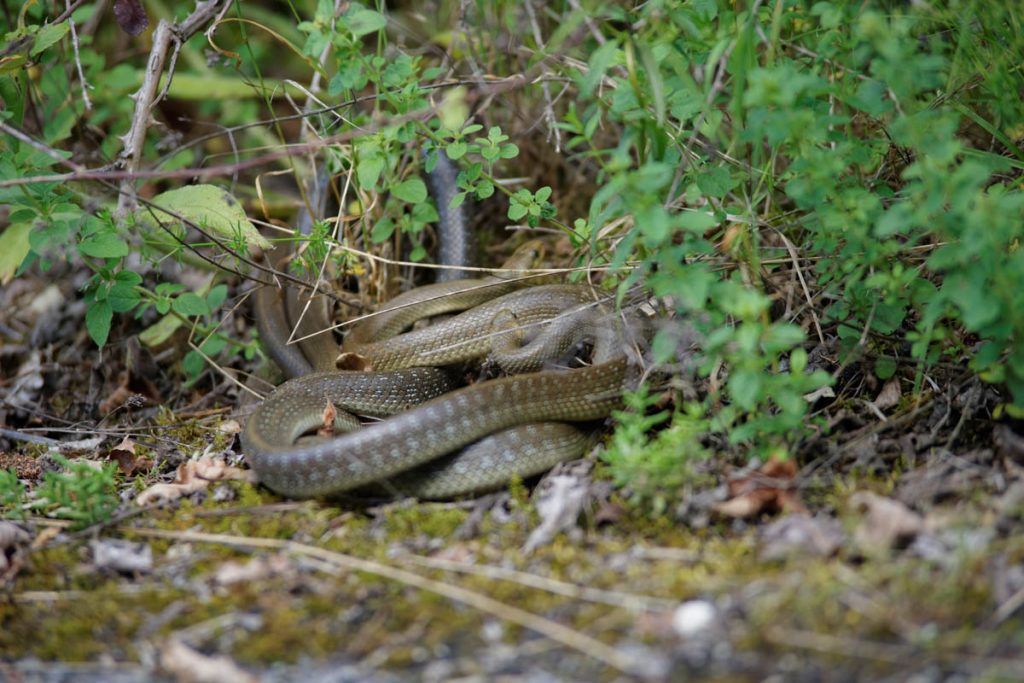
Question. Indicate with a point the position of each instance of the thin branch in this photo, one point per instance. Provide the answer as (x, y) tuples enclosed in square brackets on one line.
[(146, 97)]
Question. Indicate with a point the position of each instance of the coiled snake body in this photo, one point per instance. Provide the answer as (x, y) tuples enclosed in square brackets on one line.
[(511, 426)]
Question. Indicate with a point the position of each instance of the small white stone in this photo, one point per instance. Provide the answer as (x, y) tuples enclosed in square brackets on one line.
[(693, 617)]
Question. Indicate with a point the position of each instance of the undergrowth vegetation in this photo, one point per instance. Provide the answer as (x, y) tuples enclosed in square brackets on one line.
[(777, 175)]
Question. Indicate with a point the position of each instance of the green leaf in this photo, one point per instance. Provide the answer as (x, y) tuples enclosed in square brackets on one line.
[(458, 199), (600, 61), (216, 297), (696, 221), (456, 150), (885, 367), (362, 21), (368, 170), (47, 36), (745, 388), (192, 364), (516, 211), (383, 230), (97, 321), (412, 190), (214, 209), (103, 245), (123, 297), (189, 304), (14, 247), (715, 182), (485, 189), (160, 331)]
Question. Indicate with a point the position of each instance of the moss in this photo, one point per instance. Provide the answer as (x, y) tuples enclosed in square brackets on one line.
[(87, 625), (438, 521)]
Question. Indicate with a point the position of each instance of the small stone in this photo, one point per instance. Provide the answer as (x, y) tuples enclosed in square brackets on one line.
[(694, 617)]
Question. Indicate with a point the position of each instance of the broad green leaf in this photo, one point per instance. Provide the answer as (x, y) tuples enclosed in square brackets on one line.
[(456, 150), (160, 331), (485, 189), (412, 190), (14, 248), (600, 61), (47, 36), (216, 297), (368, 171), (516, 211), (696, 221), (189, 304), (97, 321), (745, 388), (383, 230), (454, 108), (885, 367), (103, 245), (715, 182), (362, 21), (214, 209), (214, 87), (122, 297)]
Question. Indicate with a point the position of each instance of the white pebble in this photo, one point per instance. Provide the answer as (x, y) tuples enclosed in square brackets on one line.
[(693, 617)]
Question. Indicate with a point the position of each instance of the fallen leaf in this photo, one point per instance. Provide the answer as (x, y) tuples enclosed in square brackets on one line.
[(230, 427), (122, 556), (129, 463), (889, 395), (193, 476), (353, 361), (800, 534), (560, 499), (28, 380), (770, 489), (190, 666), (256, 569), (12, 540), (886, 524), (326, 428)]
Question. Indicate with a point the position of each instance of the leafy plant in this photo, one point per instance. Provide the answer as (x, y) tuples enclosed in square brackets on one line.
[(12, 495), (83, 494)]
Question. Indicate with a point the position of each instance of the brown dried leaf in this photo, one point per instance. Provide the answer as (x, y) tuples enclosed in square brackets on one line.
[(327, 426), (12, 540), (353, 361), (770, 489), (230, 427), (186, 664), (256, 569), (194, 475), (560, 499), (887, 523), (800, 534), (889, 395), (129, 463), (122, 556)]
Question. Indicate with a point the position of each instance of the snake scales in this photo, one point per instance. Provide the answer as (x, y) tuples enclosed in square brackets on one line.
[(436, 441)]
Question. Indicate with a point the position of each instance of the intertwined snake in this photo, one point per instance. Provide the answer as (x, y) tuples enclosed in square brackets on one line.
[(436, 441)]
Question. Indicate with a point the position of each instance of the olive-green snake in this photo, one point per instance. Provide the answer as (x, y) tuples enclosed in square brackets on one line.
[(511, 426)]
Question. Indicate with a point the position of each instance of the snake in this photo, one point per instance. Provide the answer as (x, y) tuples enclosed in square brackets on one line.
[(435, 441)]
